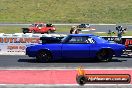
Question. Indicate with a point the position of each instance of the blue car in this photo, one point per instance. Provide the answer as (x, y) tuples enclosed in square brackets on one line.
[(76, 46)]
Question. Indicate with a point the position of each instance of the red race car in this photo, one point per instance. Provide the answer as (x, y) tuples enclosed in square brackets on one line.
[(39, 28)]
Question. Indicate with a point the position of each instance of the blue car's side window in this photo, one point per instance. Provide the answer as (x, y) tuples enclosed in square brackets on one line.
[(91, 40), (80, 40)]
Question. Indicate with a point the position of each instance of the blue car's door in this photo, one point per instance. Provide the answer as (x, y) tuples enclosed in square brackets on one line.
[(75, 50), (76, 47)]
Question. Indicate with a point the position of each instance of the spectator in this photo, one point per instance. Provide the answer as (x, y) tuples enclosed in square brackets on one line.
[(77, 31), (72, 31)]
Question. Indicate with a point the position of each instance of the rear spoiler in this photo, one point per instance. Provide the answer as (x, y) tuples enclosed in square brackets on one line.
[(50, 40)]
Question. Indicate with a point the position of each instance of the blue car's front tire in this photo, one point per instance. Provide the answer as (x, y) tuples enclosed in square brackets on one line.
[(43, 56)]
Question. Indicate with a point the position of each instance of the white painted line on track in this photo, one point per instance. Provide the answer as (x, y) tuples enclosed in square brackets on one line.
[(58, 69), (86, 23), (63, 84), (15, 24), (103, 24)]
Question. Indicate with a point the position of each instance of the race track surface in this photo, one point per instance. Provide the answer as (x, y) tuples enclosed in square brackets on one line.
[(12, 66), (25, 62)]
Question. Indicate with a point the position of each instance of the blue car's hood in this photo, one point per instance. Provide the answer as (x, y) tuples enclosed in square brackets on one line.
[(29, 45)]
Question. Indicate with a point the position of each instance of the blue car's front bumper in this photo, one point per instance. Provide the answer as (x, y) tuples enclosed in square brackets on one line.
[(119, 53), (30, 53)]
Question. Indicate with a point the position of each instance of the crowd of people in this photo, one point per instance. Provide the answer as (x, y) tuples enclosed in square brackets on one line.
[(120, 31)]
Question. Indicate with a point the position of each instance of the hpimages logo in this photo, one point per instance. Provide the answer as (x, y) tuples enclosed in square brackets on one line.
[(83, 78)]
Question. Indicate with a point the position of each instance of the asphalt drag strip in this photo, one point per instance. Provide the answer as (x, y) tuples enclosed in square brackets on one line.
[(25, 62), (23, 72)]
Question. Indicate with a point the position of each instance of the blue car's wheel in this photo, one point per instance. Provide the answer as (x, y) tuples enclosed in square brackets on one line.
[(105, 55), (44, 56), (25, 30)]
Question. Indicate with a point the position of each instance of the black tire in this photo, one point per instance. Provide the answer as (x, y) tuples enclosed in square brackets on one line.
[(48, 32), (33, 31), (43, 56), (105, 55), (51, 31), (25, 31), (81, 80)]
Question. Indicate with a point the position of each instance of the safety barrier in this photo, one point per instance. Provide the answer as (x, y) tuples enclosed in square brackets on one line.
[(15, 44)]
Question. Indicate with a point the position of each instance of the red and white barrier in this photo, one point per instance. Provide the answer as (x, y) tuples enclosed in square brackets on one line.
[(15, 44)]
